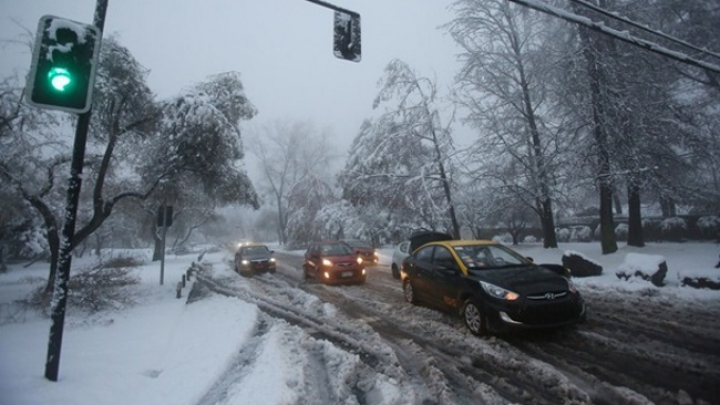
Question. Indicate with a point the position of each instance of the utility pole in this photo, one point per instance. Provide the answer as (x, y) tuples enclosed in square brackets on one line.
[(59, 301)]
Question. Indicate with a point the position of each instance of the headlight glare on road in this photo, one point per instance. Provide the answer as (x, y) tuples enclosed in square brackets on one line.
[(499, 292)]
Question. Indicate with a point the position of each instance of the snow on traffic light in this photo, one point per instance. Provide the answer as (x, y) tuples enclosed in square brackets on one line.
[(62, 72)]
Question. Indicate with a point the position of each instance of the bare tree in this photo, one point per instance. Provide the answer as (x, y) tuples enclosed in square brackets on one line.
[(288, 154), (503, 83)]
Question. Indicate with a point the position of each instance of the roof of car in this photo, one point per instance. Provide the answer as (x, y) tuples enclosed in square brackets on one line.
[(249, 244), (463, 242)]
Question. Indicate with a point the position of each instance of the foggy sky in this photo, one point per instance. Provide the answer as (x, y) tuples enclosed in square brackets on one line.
[(282, 48)]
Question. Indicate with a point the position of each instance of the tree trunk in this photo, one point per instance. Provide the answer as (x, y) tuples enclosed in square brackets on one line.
[(618, 204), (635, 231), (548, 225), (667, 205), (597, 75)]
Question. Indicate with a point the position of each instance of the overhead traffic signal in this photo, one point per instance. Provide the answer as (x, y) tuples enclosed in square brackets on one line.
[(346, 40), (62, 72)]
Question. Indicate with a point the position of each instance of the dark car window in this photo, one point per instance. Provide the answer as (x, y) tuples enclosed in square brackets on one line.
[(335, 249), (425, 254), (444, 258), (481, 257)]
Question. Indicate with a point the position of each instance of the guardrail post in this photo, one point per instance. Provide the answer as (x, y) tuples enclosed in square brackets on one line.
[(183, 280), (178, 289)]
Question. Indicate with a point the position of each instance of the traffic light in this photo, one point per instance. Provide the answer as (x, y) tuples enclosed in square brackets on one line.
[(62, 72), (346, 40)]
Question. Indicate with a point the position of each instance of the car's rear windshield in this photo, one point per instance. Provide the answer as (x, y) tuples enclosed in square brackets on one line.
[(483, 257), (335, 249)]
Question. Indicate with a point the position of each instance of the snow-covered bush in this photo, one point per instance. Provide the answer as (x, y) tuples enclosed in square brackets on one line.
[(581, 234), (96, 289), (651, 229), (530, 239), (673, 228), (562, 234), (503, 238), (34, 243), (709, 226), (621, 232)]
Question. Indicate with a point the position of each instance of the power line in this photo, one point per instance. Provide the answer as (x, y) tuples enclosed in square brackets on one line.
[(643, 27), (619, 35)]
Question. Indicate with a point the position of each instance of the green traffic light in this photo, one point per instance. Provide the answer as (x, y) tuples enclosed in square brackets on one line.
[(59, 78)]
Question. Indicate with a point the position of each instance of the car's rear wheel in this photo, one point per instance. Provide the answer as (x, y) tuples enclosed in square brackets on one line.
[(409, 292), (395, 272), (473, 317)]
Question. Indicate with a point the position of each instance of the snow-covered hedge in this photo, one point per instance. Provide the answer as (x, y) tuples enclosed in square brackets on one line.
[(562, 234), (621, 232), (673, 228), (581, 234), (709, 226)]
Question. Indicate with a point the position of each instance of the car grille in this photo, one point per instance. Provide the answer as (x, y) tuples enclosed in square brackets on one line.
[(548, 295), (350, 264)]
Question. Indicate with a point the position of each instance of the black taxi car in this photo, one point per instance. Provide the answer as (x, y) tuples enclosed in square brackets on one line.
[(253, 258), (492, 287)]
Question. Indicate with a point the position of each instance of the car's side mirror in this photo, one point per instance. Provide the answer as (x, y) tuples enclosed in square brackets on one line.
[(272, 251)]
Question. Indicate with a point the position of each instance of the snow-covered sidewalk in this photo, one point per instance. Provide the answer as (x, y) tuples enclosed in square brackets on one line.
[(161, 352)]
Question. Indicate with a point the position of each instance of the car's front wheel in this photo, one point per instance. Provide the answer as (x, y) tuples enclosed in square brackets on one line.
[(473, 317), (409, 292)]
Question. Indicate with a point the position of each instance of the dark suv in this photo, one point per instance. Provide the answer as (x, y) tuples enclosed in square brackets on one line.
[(253, 258), (333, 262)]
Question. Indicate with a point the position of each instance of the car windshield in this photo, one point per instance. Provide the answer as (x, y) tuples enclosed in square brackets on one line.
[(255, 250), (483, 257), (358, 244), (335, 249)]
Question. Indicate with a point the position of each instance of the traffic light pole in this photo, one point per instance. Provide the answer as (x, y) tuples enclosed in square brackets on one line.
[(59, 300), (334, 7)]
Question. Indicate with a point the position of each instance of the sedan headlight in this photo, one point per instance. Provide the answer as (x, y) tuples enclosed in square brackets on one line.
[(499, 292), (326, 262), (244, 262), (272, 260), (359, 260)]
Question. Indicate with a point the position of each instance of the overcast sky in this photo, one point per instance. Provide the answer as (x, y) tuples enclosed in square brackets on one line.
[(282, 48)]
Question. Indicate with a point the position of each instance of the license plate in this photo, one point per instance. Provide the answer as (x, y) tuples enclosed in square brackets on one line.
[(346, 274)]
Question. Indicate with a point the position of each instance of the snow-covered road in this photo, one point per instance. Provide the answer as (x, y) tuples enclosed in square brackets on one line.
[(365, 345)]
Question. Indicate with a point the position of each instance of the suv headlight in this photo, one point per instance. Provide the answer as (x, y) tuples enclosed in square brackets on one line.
[(326, 262), (499, 292)]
